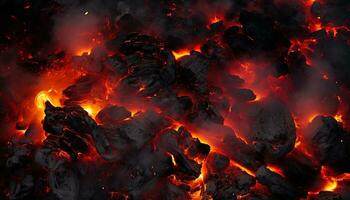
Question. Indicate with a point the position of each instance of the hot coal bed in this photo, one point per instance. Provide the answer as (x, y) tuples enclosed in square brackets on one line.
[(175, 100)]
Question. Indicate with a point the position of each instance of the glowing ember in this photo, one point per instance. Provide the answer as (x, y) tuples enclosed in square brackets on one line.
[(43, 96), (275, 169), (241, 96), (246, 170), (338, 117), (92, 109), (181, 53), (215, 20), (83, 51)]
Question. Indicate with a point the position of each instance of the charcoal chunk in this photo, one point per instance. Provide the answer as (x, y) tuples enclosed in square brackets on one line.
[(112, 114), (195, 69), (277, 184), (22, 188), (177, 143), (63, 181), (274, 130), (217, 162), (228, 184), (113, 143), (330, 143)]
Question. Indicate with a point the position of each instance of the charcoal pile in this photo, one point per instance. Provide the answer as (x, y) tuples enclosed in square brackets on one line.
[(175, 100)]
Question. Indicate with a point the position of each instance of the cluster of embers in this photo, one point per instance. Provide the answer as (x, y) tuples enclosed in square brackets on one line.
[(119, 155)]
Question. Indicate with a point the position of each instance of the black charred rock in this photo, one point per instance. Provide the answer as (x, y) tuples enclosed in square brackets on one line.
[(70, 142), (112, 114), (290, 17), (239, 43), (137, 42), (22, 188), (274, 130), (336, 52), (228, 184), (281, 67), (332, 12), (233, 147), (242, 95), (63, 181), (74, 118), (177, 143), (327, 196), (231, 81), (113, 143), (80, 90), (194, 70), (214, 51), (330, 143), (299, 169), (204, 113), (217, 26), (277, 184), (141, 172), (148, 75), (172, 105), (129, 23), (262, 30), (217, 162), (19, 155), (116, 65), (69, 129)]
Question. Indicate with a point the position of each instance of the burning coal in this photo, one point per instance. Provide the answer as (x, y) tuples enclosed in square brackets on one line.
[(175, 99)]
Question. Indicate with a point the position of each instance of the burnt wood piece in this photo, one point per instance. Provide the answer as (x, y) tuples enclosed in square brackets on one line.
[(277, 184)]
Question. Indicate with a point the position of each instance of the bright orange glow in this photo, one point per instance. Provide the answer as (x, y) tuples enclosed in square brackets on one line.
[(196, 195), (21, 132), (215, 20), (241, 167), (275, 169), (43, 96), (172, 158), (312, 117), (338, 117), (142, 88), (185, 52), (316, 27), (331, 182), (91, 108), (181, 53), (325, 77), (297, 142), (82, 51)]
